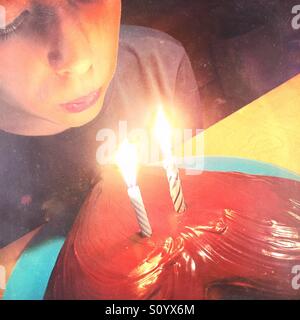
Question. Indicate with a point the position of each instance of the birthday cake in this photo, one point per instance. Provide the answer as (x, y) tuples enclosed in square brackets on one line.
[(238, 238)]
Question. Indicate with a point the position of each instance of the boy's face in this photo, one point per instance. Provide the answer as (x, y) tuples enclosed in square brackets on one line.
[(57, 59)]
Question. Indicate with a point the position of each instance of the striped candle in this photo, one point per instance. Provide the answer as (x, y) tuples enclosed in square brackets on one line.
[(163, 134), (136, 199), (127, 160), (175, 186)]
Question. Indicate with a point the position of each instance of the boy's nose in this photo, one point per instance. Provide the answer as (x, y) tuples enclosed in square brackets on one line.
[(70, 53)]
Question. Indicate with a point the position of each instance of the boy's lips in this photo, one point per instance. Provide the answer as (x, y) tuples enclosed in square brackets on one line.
[(82, 103)]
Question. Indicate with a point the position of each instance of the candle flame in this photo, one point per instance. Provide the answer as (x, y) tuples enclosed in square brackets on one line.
[(163, 133), (127, 160)]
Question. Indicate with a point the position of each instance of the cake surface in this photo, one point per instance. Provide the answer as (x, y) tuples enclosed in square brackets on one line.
[(239, 238)]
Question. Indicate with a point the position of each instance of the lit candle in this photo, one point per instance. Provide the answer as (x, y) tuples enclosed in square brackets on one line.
[(163, 134), (127, 161)]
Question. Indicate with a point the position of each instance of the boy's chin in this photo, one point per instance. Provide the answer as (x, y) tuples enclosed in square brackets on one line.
[(83, 118)]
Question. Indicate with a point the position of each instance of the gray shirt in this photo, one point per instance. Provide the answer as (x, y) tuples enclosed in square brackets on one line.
[(153, 69)]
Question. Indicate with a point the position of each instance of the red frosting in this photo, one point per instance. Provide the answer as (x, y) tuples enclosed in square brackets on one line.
[(239, 238)]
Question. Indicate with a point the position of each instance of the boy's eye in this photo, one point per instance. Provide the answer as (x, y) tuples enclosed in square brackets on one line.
[(42, 14), (14, 26)]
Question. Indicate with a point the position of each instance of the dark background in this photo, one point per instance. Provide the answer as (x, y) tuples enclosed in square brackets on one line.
[(240, 49)]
